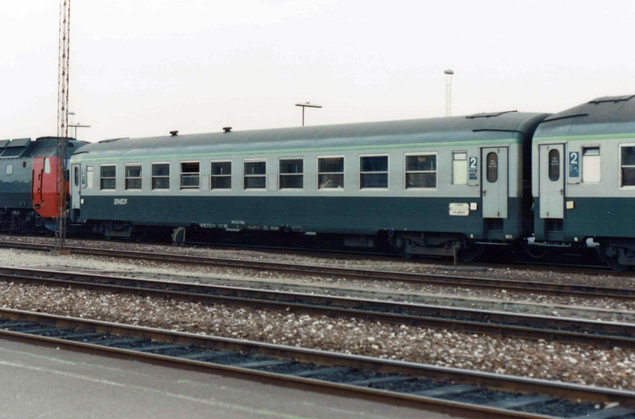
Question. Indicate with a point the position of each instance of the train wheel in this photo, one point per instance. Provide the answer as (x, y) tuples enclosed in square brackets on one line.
[(400, 246), (469, 252), (615, 265), (535, 255), (610, 255), (140, 235)]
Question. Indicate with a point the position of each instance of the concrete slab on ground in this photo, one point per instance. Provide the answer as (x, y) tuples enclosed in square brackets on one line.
[(41, 382)]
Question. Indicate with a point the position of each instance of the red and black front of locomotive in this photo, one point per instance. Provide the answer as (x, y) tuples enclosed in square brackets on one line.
[(28, 176), (45, 174)]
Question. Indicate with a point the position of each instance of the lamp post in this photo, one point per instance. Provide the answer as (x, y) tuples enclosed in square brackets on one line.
[(77, 126), (448, 91), (306, 105)]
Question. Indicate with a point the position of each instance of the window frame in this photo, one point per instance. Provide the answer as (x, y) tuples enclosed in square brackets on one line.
[(101, 177), (189, 188), (467, 168), (259, 175), (435, 171), (281, 175), (551, 175), (383, 172), (318, 173), (486, 167), (90, 177), (153, 177), (212, 176), (126, 178), (621, 167), (584, 167)]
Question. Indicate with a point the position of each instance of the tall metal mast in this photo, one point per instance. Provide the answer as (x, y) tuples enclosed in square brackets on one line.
[(62, 121)]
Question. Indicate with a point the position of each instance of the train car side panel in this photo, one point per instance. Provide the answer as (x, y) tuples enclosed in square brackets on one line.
[(584, 177), (422, 181)]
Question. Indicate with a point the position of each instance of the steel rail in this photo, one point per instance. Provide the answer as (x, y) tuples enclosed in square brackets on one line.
[(541, 287), (527, 326), (352, 375)]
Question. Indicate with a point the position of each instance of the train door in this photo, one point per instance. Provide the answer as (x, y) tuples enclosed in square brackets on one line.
[(75, 186), (495, 188), (551, 181)]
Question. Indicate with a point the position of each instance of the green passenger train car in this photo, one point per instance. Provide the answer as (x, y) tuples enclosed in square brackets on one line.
[(429, 186), (584, 178)]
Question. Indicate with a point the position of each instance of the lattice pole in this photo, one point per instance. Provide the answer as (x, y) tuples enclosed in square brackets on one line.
[(62, 122)]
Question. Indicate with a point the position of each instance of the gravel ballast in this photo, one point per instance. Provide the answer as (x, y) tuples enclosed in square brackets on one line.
[(538, 359)]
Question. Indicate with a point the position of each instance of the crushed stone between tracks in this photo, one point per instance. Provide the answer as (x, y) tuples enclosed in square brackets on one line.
[(538, 359)]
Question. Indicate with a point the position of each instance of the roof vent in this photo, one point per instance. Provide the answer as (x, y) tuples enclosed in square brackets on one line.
[(227, 129), (488, 114), (613, 99), (174, 133)]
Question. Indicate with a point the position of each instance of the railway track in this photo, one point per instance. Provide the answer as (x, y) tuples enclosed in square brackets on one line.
[(466, 393), (600, 333), (540, 287)]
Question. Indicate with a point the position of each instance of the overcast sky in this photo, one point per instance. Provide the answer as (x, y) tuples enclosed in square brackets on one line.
[(145, 67)]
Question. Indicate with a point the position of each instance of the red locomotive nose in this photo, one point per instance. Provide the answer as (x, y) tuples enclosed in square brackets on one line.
[(45, 199)]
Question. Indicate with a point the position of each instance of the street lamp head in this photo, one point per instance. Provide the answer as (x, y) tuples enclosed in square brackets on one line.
[(308, 105), (449, 72)]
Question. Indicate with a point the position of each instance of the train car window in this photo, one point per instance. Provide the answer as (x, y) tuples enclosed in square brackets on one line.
[(190, 175), (373, 172), (13, 151), (492, 167), (291, 174), (133, 177), (554, 165), (628, 165), (221, 177), (591, 164), (90, 176), (459, 168), (76, 175), (255, 175), (47, 165), (9, 170), (331, 173), (108, 177), (421, 171), (160, 176)]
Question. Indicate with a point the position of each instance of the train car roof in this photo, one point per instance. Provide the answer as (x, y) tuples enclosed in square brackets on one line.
[(47, 146), (602, 118), (480, 129)]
